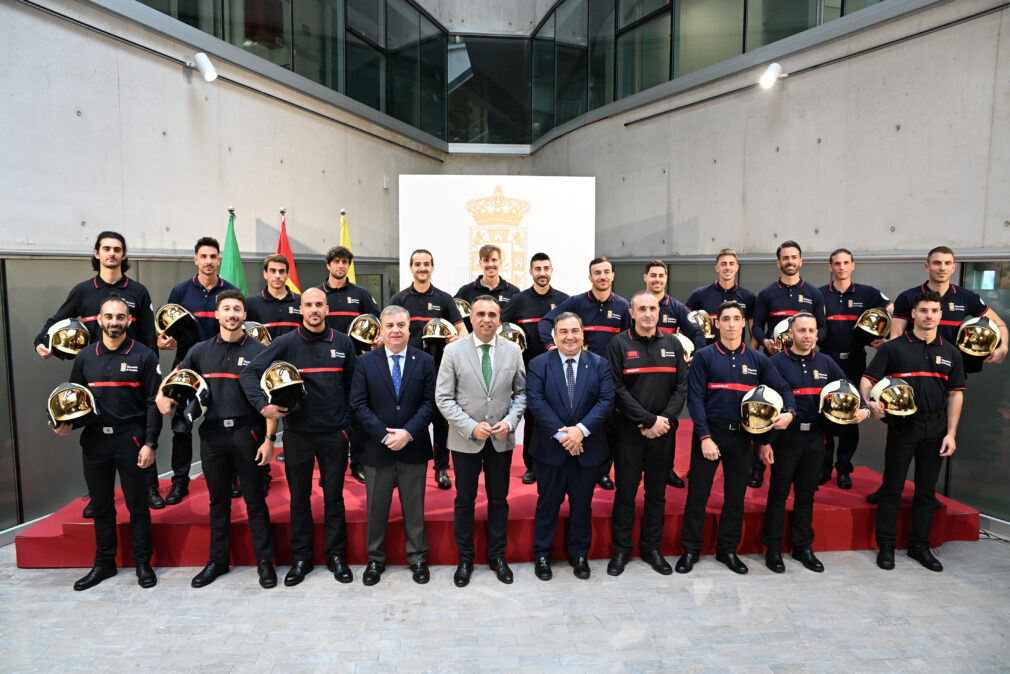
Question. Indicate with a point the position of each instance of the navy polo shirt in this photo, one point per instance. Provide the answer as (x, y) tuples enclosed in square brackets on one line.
[(347, 303), (220, 363), (673, 318), (424, 306), (503, 292), (957, 304), (709, 297), (779, 301), (200, 302), (932, 369), (525, 310), (86, 298), (600, 320), (278, 315), (842, 310), (806, 376)]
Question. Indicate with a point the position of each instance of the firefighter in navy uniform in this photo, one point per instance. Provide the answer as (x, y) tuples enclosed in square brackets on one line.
[(726, 289), (788, 296), (423, 301), (489, 282), (844, 302), (525, 310), (317, 431), (123, 376), (84, 300), (234, 439), (604, 313), (719, 377), (197, 295), (276, 307), (650, 380), (347, 301), (932, 367), (796, 454)]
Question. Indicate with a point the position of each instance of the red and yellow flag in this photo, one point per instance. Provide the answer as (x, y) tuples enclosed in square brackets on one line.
[(284, 248)]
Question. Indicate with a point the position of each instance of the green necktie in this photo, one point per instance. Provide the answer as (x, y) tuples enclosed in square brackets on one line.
[(485, 364)]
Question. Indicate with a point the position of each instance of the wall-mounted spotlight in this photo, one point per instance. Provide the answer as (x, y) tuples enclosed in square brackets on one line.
[(206, 68), (772, 74)]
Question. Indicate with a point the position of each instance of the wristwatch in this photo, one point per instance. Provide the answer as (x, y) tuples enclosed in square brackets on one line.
[(272, 438)]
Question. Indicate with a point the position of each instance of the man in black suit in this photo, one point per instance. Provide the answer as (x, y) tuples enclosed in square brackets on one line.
[(571, 394), (393, 398)]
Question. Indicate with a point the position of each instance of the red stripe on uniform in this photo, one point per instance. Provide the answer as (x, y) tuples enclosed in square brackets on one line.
[(942, 322), (784, 312), (918, 374), (645, 370), (599, 328), (204, 314), (343, 313), (731, 387), (843, 317), (806, 391), (321, 369), (529, 320), (421, 318), (220, 375), (668, 330), (270, 325), (134, 384)]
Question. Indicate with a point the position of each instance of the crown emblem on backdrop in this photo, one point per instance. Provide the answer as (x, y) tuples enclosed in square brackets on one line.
[(498, 221)]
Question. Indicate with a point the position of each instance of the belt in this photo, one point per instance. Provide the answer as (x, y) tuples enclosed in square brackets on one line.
[(807, 427), (116, 429), (245, 420), (724, 425)]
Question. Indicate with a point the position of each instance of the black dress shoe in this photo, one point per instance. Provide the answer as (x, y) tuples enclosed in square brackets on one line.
[(89, 511), (529, 477), (773, 560), (844, 480), (925, 556), (176, 493), (873, 497), (338, 567), (732, 562), (373, 572), (756, 479), (236, 491), (358, 472), (268, 576), (675, 480), (442, 479), (462, 576), (617, 564), (885, 557), (605, 482), (145, 575), (154, 500), (542, 567), (686, 562), (580, 567), (297, 572), (501, 570), (209, 574), (95, 576), (420, 571), (806, 557), (825, 476), (655, 559)]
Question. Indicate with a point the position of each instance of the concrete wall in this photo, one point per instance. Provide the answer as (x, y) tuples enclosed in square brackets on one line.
[(895, 150)]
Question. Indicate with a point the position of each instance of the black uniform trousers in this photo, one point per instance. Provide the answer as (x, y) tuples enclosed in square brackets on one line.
[(496, 467), (845, 437), (301, 451), (408, 479), (633, 455), (529, 437), (736, 453), (440, 440), (105, 454), (916, 437), (357, 439), (226, 450), (797, 467), (576, 481)]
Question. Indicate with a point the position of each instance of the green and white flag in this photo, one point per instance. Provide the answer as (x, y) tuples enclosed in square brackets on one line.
[(231, 260)]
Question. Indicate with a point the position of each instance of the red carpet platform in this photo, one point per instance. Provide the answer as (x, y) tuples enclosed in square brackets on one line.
[(843, 520)]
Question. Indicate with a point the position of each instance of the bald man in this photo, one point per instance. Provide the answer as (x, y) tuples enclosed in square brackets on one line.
[(316, 431)]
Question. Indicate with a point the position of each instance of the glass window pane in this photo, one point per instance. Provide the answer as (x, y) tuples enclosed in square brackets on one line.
[(403, 62), (364, 72), (772, 20), (572, 44), (263, 28), (433, 79), (489, 90), (708, 31), (203, 16), (601, 52), (317, 36), (633, 10), (366, 17), (543, 79), (643, 56), (850, 6), (8, 475)]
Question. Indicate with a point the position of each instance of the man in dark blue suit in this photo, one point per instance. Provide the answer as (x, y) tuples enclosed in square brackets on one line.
[(571, 394), (393, 398)]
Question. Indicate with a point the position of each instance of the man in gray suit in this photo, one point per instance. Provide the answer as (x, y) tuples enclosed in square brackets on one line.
[(481, 392)]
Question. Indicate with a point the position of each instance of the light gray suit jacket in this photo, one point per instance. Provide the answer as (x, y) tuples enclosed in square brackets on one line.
[(465, 401)]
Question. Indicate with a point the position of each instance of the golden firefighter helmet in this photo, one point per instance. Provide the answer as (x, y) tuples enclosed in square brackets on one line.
[(364, 329), (176, 321), (257, 331), (71, 404), (513, 333), (759, 406), (978, 336), (781, 335), (283, 386), (895, 396), (463, 306), (840, 402), (872, 324), (189, 391), (66, 338), (684, 342), (704, 321)]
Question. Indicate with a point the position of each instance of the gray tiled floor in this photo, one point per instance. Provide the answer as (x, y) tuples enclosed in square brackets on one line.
[(853, 618)]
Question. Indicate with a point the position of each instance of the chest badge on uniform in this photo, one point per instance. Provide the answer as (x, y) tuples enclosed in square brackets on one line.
[(631, 355), (744, 369), (333, 353)]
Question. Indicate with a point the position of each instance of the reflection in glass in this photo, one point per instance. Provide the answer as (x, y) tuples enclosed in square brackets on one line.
[(366, 18), (317, 40), (643, 57), (203, 16), (364, 72), (543, 79), (708, 31), (601, 52), (633, 10), (772, 20), (262, 28), (402, 62), (433, 79), (572, 44), (489, 90)]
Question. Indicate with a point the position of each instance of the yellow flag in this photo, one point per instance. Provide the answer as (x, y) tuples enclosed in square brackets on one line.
[(345, 241)]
